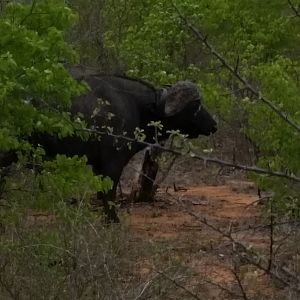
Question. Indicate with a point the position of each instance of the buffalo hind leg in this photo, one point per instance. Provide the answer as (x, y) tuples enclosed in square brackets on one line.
[(108, 199)]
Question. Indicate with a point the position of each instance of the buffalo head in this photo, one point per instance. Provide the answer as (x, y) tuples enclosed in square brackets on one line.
[(183, 110)]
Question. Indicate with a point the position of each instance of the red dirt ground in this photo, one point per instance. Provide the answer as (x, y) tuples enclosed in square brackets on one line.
[(201, 248)]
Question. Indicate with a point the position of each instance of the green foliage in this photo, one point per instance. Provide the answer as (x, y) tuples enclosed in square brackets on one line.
[(259, 37), (70, 176), (86, 35), (35, 93), (149, 36), (32, 51), (69, 255)]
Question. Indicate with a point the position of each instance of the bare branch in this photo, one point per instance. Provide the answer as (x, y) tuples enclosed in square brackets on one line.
[(203, 158), (236, 68), (294, 8), (234, 71), (271, 238), (264, 226), (282, 274), (33, 4), (145, 287), (238, 279), (222, 288), (177, 284)]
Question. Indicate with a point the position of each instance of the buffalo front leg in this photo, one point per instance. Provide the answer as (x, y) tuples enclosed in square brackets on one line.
[(110, 210)]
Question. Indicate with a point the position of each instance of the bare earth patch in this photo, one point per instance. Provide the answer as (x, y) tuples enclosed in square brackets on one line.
[(202, 249)]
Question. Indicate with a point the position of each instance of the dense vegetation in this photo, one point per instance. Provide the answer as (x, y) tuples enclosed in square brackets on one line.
[(258, 39), (148, 39), (36, 89), (153, 40)]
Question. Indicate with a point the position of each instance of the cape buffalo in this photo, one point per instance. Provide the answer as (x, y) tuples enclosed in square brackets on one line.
[(121, 105)]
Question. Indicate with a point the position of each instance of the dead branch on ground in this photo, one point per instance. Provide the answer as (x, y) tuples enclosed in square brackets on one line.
[(280, 273), (175, 282)]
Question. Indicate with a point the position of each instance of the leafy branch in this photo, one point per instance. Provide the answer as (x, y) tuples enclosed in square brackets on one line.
[(203, 158), (234, 70)]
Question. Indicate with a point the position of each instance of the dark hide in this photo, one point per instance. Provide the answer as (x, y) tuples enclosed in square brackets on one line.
[(125, 104)]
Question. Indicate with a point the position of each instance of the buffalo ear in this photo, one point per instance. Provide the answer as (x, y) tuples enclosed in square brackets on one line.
[(178, 96)]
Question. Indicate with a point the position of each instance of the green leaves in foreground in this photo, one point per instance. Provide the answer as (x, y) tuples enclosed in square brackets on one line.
[(34, 85), (69, 176), (35, 95)]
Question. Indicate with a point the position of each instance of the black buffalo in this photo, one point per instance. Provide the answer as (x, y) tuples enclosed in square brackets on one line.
[(120, 105)]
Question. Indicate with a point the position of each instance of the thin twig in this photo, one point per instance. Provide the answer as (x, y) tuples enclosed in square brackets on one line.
[(238, 279), (30, 12), (203, 158), (264, 226), (73, 255), (293, 8), (222, 288), (271, 237), (177, 284), (145, 287), (284, 275), (259, 200)]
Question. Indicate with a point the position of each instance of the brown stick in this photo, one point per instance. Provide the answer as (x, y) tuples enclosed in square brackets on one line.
[(293, 8), (282, 274), (205, 159)]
